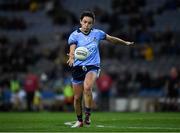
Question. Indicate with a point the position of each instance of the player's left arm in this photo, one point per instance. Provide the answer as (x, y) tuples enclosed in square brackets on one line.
[(116, 40)]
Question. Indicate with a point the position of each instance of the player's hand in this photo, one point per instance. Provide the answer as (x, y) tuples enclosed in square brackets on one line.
[(70, 60), (129, 43)]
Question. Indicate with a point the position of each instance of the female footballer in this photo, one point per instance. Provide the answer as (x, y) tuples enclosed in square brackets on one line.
[(85, 73)]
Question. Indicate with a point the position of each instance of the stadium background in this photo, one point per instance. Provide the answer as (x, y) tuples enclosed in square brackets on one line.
[(33, 39)]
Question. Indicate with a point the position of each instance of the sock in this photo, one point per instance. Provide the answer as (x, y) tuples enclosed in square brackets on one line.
[(79, 117), (87, 111)]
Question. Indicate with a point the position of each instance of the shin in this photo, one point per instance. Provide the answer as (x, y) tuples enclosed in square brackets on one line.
[(88, 85), (78, 90)]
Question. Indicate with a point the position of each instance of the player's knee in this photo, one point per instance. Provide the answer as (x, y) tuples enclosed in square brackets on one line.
[(87, 87), (87, 90)]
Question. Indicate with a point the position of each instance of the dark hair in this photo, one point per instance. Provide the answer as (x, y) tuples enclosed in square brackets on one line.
[(87, 14)]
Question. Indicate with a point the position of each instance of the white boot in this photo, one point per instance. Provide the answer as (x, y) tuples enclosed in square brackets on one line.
[(77, 124)]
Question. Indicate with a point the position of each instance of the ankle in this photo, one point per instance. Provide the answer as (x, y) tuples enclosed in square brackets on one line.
[(79, 117)]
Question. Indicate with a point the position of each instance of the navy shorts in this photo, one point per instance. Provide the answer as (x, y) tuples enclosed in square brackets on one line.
[(79, 72)]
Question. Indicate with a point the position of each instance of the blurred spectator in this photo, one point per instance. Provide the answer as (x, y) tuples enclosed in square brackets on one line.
[(172, 86), (18, 95), (33, 7), (18, 100), (6, 98), (37, 101), (104, 83), (31, 84), (147, 52), (14, 84), (68, 97)]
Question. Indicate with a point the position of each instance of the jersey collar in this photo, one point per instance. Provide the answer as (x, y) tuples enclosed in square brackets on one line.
[(78, 30)]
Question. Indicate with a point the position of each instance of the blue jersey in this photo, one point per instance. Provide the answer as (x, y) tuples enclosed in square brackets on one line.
[(91, 42)]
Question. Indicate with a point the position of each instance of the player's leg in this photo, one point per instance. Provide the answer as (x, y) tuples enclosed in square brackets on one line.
[(78, 93), (88, 85)]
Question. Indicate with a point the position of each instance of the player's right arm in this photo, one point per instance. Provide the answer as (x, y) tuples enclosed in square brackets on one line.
[(71, 54)]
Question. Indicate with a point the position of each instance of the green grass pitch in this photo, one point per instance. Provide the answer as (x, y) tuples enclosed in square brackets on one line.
[(101, 122)]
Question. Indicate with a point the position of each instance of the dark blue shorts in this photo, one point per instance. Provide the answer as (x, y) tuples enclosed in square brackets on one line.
[(79, 72)]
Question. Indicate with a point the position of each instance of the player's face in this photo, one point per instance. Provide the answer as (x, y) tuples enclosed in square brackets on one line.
[(86, 24)]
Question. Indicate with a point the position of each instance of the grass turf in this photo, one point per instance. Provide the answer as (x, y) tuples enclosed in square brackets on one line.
[(101, 122)]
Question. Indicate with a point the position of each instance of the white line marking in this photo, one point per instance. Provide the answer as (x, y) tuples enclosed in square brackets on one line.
[(166, 128), (170, 128), (69, 123), (99, 125)]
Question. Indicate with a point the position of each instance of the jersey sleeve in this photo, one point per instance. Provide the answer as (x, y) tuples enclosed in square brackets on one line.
[(72, 39), (102, 35)]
